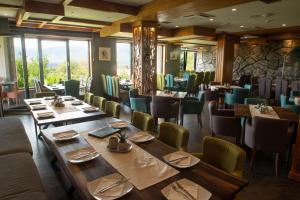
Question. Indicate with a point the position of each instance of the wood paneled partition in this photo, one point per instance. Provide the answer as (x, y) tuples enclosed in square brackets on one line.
[(144, 57), (225, 58)]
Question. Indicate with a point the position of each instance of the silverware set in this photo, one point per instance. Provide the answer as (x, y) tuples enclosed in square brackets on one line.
[(85, 154), (113, 185), (177, 187)]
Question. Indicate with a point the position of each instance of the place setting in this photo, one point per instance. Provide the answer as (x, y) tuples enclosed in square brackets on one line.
[(34, 102), (82, 155), (181, 159), (109, 187), (185, 189), (76, 102), (141, 136), (68, 98), (38, 107), (90, 109), (45, 115), (65, 135), (119, 124)]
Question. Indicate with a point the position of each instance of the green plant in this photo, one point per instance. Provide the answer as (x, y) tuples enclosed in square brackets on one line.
[(122, 137)]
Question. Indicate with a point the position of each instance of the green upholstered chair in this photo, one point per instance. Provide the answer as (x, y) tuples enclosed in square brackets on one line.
[(72, 88), (116, 87), (112, 109), (44, 94), (255, 101), (99, 102), (143, 121), (88, 98), (174, 135), (248, 86), (212, 76), (160, 82), (190, 84), (223, 155), (284, 100), (237, 96), (193, 105), (201, 77), (133, 93), (103, 84), (206, 78)]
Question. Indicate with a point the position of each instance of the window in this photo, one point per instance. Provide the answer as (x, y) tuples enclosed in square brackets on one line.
[(55, 61), (124, 60), (160, 59), (32, 54), (190, 61), (79, 59), (18, 62)]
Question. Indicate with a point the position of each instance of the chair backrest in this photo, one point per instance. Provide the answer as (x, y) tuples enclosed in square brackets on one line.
[(160, 82), (88, 98), (116, 87), (164, 107), (103, 83), (44, 94), (293, 108), (99, 102), (284, 100), (201, 77), (138, 104), (248, 86), (36, 85), (190, 83), (295, 93), (240, 94), (295, 85), (143, 121), (112, 109), (109, 84), (186, 75), (224, 155), (255, 101), (174, 135), (89, 82), (281, 87), (264, 87), (72, 88), (169, 80), (133, 93), (268, 135), (206, 77), (212, 76), (244, 79)]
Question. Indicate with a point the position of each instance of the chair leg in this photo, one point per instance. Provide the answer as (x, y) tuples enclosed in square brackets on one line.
[(253, 156), (213, 134), (200, 120), (277, 164), (181, 119)]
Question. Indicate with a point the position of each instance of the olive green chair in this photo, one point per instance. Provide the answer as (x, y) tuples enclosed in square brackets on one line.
[(143, 121), (44, 94), (174, 135), (223, 155), (88, 98), (112, 109), (160, 82), (116, 87), (99, 102), (72, 88), (103, 84)]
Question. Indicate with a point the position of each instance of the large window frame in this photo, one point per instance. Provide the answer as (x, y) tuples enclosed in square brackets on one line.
[(40, 58), (160, 59), (130, 57)]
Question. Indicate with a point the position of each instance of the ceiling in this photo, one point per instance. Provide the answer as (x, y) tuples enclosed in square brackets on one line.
[(252, 16)]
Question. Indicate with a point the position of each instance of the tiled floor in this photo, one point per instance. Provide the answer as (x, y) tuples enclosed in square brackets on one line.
[(263, 183)]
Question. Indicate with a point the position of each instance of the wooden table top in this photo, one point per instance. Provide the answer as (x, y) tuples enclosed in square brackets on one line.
[(56, 87), (219, 183), (242, 110), (174, 94), (217, 87), (71, 115)]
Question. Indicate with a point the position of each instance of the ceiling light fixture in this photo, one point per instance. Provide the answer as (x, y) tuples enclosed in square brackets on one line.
[(176, 26), (211, 19), (283, 25), (242, 26), (234, 9), (5, 14)]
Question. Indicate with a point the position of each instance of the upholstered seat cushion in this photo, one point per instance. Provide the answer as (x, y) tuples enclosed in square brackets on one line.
[(13, 138), (19, 176)]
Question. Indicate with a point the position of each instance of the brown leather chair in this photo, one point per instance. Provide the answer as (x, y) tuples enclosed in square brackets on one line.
[(164, 107), (264, 88), (295, 85), (223, 122), (281, 87), (269, 135)]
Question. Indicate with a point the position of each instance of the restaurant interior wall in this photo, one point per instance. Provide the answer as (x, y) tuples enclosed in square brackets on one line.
[(266, 59), (172, 66), (5, 70)]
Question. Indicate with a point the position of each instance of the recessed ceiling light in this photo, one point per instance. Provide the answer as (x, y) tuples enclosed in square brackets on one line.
[(5, 14), (233, 9), (211, 19), (242, 26), (176, 26), (283, 25)]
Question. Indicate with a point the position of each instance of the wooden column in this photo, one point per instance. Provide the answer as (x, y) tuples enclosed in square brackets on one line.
[(144, 57), (295, 169), (225, 58)]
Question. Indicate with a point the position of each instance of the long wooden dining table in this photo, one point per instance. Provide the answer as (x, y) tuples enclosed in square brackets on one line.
[(222, 185)]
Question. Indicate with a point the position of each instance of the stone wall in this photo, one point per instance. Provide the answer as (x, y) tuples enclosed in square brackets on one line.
[(266, 60)]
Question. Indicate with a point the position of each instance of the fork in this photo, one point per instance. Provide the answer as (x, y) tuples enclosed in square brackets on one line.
[(114, 184)]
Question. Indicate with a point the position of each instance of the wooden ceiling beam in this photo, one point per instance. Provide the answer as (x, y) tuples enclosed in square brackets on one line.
[(105, 6), (9, 6), (21, 16), (42, 24), (66, 2), (85, 21), (44, 8)]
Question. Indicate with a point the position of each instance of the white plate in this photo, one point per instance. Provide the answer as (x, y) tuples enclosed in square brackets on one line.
[(39, 107), (43, 115), (76, 102), (195, 190), (34, 102), (113, 193), (119, 124), (68, 98), (90, 109), (187, 161), (66, 135), (142, 136), (82, 155)]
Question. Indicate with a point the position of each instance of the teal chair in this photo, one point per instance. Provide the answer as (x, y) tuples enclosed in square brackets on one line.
[(284, 100), (255, 101), (248, 86), (138, 104), (293, 94), (109, 85), (293, 108), (186, 75), (193, 105), (72, 88), (237, 96), (169, 81)]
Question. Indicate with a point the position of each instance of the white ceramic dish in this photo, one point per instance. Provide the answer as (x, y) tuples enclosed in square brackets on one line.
[(181, 159)]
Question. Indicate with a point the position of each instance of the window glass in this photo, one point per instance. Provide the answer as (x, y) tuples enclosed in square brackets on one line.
[(18, 62), (124, 60), (159, 60), (190, 61), (31, 45)]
